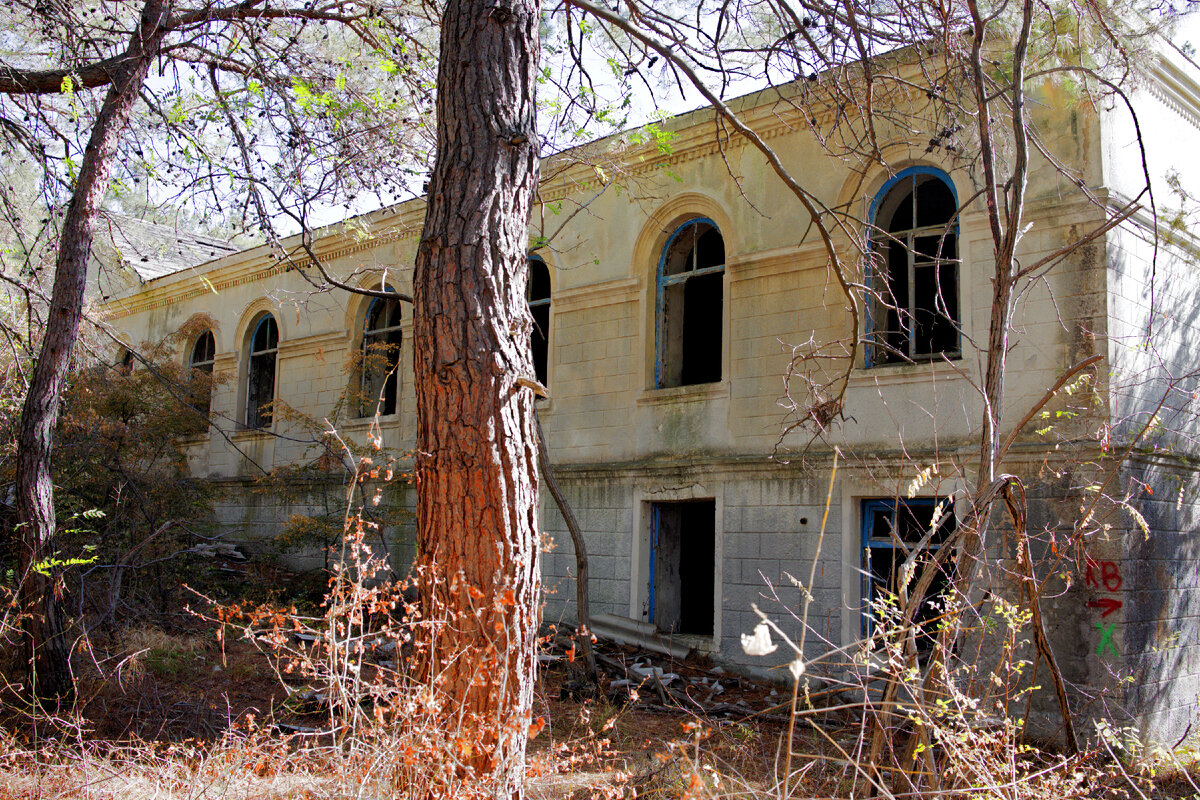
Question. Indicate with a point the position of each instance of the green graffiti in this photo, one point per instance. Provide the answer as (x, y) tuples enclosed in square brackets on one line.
[(1106, 640)]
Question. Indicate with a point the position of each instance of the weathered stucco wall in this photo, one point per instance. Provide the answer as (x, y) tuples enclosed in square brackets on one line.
[(1153, 303)]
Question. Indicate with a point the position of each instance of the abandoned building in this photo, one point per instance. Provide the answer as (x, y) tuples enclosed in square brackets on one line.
[(676, 317)]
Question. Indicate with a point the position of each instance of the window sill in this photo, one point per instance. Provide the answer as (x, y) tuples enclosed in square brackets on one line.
[(243, 434), (695, 393), (194, 439), (364, 422), (888, 374)]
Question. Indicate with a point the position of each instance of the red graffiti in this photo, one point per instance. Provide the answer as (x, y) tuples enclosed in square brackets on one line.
[(1109, 575), (1104, 576), (1107, 603)]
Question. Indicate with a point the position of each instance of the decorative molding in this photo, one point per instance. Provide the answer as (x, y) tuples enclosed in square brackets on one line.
[(751, 266), (1175, 89), (257, 264), (620, 290), (335, 341)]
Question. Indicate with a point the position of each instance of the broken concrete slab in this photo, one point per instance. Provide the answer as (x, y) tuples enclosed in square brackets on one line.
[(640, 634)]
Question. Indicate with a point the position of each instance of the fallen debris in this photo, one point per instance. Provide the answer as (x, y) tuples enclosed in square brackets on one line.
[(641, 634), (640, 667)]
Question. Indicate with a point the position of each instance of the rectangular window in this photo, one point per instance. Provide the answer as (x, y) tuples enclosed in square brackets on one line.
[(682, 566), (891, 530)]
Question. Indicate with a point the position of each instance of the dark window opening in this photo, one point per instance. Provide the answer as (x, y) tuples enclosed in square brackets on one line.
[(200, 367), (538, 296), (682, 566), (380, 357), (691, 280), (260, 373), (915, 305), (891, 530)]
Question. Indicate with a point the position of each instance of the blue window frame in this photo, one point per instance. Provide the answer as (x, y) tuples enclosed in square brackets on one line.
[(913, 314), (260, 372), (689, 305), (890, 530)]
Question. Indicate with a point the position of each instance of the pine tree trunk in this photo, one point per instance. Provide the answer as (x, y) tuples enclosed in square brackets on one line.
[(46, 650), (477, 480)]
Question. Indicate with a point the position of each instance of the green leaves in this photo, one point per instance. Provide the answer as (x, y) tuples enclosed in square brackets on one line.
[(50, 565), (68, 90)]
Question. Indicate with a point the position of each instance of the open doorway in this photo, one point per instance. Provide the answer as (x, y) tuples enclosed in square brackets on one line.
[(682, 566)]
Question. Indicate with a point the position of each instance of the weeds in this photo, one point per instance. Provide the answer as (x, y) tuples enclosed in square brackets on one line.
[(359, 721)]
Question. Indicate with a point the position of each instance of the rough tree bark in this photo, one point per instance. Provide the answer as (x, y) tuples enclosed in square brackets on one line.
[(477, 480), (46, 650)]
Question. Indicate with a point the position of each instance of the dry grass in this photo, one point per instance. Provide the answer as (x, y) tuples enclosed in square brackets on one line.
[(146, 647), (176, 716), (147, 638), (588, 749), (236, 769)]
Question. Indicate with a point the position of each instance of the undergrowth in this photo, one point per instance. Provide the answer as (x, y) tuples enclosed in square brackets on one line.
[(333, 707)]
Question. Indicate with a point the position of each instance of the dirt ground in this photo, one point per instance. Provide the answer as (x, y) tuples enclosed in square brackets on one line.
[(696, 731)]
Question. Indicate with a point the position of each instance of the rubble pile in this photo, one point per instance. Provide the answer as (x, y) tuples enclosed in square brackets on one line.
[(632, 674), (632, 668)]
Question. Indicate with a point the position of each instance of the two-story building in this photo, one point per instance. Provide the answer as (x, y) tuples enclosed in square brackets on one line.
[(686, 315)]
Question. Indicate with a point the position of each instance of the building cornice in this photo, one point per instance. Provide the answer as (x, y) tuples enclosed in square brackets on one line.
[(1175, 88)]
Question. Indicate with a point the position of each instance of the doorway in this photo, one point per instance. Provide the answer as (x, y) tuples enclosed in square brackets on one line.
[(682, 566)]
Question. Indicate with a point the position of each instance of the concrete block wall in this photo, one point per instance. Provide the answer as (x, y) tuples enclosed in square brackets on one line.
[(1160, 643), (772, 526), (1119, 605), (252, 518), (605, 513), (766, 529)]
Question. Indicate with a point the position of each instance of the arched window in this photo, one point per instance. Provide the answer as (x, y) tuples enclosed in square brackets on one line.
[(537, 293), (260, 372), (380, 357), (200, 367), (691, 279), (914, 309)]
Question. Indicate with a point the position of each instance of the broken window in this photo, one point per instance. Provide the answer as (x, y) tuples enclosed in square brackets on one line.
[(260, 372), (200, 370), (891, 531), (682, 566), (537, 293), (380, 357), (914, 313), (691, 277)]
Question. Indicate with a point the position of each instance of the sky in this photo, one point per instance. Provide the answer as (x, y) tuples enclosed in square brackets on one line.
[(670, 99)]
